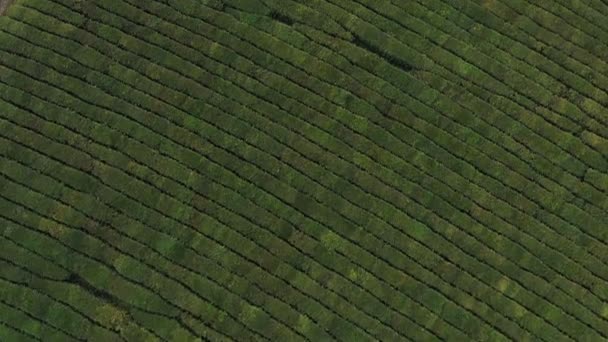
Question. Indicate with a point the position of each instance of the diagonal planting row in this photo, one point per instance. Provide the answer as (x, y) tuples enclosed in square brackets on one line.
[(103, 132), (255, 167), (571, 140)]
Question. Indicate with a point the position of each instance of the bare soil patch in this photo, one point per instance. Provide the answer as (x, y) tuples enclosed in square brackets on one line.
[(4, 4)]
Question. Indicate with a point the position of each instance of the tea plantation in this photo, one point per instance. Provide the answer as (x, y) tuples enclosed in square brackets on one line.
[(304, 170)]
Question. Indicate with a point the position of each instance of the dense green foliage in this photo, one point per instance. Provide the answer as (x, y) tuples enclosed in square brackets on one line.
[(312, 170)]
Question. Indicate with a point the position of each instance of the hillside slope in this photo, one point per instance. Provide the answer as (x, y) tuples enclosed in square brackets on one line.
[(294, 170)]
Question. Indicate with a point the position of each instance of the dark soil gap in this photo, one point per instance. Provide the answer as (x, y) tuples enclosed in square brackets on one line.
[(76, 279), (281, 17), (357, 40)]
